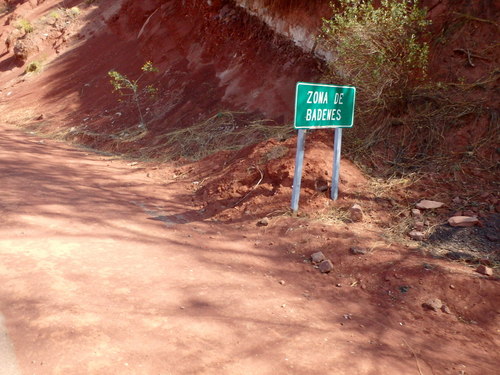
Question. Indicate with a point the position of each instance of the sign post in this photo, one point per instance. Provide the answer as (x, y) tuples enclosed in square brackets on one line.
[(299, 162), (321, 106), (337, 143)]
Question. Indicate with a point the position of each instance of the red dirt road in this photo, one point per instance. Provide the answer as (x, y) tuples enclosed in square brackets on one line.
[(105, 268)]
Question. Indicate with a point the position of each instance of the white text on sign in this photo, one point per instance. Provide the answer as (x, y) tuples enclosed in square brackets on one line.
[(315, 97)]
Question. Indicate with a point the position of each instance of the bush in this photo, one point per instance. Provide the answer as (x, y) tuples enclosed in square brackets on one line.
[(34, 67), (25, 26), (125, 86), (376, 49)]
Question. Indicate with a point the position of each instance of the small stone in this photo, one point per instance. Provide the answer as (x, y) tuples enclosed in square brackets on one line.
[(445, 309), (429, 205), (338, 285), (416, 213), (39, 118), (463, 221), (416, 235), (452, 286), (318, 257), (263, 222), (468, 213), (419, 226), (456, 200), (325, 266), (358, 250), (282, 282), (482, 269), (356, 213), (433, 304)]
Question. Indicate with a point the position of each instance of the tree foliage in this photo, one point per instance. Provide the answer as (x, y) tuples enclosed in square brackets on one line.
[(378, 49)]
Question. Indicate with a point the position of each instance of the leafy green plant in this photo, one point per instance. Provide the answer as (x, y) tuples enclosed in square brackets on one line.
[(73, 12), (55, 14), (125, 86), (378, 49), (34, 67), (25, 25)]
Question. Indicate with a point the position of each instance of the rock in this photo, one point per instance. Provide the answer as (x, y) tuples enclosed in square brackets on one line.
[(21, 51), (356, 213), (419, 226), (433, 304), (263, 222), (482, 269), (457, 200), (282, 282), (416, 235), (321, 185), (357, 250), (468, 213), (429, 205), (463, 221), (416, 213), (326, 266), (445, 309), (318, 257)]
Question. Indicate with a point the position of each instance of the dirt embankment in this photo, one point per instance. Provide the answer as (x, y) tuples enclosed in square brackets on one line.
[(210, 59)]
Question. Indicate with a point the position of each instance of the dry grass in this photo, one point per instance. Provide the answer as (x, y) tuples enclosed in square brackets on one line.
[(221, 132), (417, 138), (224, 131), (284, 6), (334, 215)]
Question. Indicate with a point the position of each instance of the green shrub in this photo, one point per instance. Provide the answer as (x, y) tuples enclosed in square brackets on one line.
[(34, 67), (73, 12), (376, 49), (125, 86), (25, 26)]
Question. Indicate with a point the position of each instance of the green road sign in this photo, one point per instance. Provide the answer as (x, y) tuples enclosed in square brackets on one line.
[(320, 106)]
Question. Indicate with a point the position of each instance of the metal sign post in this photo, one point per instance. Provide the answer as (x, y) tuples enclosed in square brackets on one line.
[(336, 163), (320, 106), (299, 162)]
